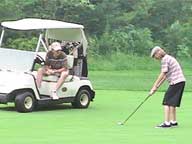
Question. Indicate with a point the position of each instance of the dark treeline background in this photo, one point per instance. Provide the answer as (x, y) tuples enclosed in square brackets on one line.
[(130, 27)]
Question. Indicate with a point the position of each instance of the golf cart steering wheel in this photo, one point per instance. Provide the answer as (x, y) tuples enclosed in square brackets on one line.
[(39, 60)]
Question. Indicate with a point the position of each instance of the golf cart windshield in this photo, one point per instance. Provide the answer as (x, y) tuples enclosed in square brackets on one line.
[(16, 60)]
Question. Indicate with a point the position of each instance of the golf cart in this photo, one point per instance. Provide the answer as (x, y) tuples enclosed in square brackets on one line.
[(18, 68)]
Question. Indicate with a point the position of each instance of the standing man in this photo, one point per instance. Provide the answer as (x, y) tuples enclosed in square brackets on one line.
[(172, 72)]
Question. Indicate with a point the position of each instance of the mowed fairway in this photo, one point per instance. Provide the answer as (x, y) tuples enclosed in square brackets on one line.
[(97, 124)]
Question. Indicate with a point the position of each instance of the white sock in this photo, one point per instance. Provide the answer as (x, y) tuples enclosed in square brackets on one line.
[(173, 122), (167, 123)]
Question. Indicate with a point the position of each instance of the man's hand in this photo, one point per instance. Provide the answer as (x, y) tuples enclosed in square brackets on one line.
[(50, 71), (153, 90)]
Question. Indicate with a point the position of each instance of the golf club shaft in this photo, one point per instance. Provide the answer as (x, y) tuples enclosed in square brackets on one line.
[(136, 109)]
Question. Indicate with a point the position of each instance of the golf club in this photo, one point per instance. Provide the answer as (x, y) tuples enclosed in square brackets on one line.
[(122, 123)]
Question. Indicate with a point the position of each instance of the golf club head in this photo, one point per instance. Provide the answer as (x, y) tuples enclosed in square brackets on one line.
[(120, 123)]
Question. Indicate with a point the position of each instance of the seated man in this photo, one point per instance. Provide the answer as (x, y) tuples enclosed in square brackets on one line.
[(55, 63)]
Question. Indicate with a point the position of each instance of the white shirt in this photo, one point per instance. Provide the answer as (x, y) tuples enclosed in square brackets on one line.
[(171, 67)]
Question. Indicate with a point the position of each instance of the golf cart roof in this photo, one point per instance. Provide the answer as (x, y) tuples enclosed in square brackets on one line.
[(32, 23), (54, 29)]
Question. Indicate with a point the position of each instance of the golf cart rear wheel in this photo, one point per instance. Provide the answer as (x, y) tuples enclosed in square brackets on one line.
[(25, 102), (82, 99)]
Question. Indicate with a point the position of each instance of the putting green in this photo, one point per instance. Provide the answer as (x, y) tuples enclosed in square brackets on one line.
[(97, 124)]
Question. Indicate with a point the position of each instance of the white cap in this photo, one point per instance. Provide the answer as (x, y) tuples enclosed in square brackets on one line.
[(55, 46), (154, 50)]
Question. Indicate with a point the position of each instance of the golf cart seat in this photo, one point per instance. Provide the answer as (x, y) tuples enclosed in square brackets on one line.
[(54, 78), (70, 61)]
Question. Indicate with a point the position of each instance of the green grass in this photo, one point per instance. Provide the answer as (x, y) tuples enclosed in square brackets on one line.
[(132, 80), (120, 61), (98, 123), (118, 93), (123, 80)]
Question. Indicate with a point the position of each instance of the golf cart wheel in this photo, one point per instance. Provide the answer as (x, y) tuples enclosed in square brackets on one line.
[(25, 102), (82, 99)]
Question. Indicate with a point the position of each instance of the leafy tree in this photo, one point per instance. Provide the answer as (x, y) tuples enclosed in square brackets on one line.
[(185, 47), (9, 10), (129, 41), (23, 43), (125, 26)]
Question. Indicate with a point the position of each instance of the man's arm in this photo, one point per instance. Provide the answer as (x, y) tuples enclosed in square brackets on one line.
[(161, 78), (59, 70)]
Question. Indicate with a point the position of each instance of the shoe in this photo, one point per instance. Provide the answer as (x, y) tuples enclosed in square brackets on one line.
[(174, 124), (163, 125), (54, 95)]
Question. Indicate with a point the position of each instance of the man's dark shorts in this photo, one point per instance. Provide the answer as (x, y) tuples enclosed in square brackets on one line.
[(174, 94)]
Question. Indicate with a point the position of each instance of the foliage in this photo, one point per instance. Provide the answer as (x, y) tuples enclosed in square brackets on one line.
[(120, 61), (129, 40), (23, 43), (185, 47), (179, 39), (114, 26)]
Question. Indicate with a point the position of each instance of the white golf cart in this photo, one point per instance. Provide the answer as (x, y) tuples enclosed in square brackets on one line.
[(18, 68)]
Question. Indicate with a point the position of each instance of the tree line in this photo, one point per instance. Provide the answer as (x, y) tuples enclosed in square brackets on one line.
[(113, 26)]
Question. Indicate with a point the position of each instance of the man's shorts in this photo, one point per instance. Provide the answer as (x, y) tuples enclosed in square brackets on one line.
[(174, 94)]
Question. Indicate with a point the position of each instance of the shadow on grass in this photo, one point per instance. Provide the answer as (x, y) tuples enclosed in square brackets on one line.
[(53, 107), (11, 108), (8, 108)]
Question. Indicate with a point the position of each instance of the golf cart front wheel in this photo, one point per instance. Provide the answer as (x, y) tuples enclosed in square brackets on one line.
[(82, 99), (25, 102)]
